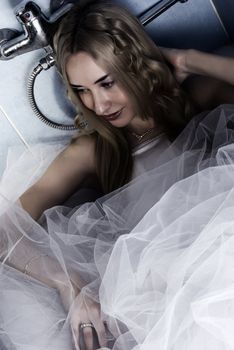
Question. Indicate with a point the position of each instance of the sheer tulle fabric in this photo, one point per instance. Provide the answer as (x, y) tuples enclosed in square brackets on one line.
[(157, 254)]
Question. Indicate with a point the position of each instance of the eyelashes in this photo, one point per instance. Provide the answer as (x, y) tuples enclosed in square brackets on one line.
[(80, 91), (108, 84), (105, 85)]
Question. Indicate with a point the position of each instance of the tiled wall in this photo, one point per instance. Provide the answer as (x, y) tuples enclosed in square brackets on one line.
[(193, 24), (13, 95)]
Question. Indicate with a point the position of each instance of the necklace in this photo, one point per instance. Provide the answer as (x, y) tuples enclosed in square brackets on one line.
[(139, 137)]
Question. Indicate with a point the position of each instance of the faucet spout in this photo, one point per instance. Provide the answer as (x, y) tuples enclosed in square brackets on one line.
[(37, 32)]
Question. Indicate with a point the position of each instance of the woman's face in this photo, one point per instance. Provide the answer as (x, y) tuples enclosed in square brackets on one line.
[(98, 90)]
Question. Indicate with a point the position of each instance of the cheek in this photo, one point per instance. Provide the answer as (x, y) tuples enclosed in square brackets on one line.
[(127, 102), (121, 96), (87, 100)]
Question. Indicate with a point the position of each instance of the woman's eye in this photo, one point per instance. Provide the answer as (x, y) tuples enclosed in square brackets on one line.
[(108, 84), (81, 91)]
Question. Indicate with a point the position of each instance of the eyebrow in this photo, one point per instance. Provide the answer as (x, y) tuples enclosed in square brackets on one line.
[(96, 82)]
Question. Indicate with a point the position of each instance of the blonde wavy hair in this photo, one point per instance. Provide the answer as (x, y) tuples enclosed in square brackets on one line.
[(118, 41)]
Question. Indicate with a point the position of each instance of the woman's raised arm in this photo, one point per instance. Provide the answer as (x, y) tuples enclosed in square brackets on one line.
[(191, 61), (212, 76), (211, 65)]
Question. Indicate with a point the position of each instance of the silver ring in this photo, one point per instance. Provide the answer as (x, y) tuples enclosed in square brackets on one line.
[(87, 324)]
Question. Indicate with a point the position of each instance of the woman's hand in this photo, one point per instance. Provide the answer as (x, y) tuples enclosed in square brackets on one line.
[(178, 59), (86, 311), (186, 62)]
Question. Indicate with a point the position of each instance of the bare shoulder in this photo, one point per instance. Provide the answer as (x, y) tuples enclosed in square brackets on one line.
[(87, 141), (64, 175), (82, 149)]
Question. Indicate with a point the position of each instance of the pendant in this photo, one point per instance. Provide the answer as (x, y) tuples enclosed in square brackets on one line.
[(140, 137)]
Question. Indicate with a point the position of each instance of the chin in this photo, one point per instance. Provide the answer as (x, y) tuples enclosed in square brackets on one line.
[(120, 123)]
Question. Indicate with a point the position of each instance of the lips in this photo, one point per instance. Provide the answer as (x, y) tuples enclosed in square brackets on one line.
[(113, 116)]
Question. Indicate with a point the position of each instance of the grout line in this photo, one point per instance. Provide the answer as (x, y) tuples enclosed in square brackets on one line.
[(219, 18), (14, 127)]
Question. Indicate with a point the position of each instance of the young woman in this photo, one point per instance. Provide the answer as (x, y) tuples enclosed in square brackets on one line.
[(134, 109)]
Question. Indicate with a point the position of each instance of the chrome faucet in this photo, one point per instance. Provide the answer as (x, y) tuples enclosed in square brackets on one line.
[(37, 31)]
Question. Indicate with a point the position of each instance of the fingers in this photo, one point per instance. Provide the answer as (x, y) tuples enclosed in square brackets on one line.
[(88, 338), (94, 337), (88, 330), (177, 58), (101, 334), (76, 338), (168, 53), (83, 338)]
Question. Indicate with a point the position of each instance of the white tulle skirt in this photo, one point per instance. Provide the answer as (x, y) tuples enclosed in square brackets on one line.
[(158, 254)]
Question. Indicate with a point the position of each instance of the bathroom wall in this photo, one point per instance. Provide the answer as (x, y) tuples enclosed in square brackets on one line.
[(196, 23), (13, 94)]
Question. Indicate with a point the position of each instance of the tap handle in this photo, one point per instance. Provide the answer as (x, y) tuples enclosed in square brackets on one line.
[(28, 13), (38, 31)]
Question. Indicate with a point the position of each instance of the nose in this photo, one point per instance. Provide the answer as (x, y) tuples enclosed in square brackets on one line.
[(102, 103)]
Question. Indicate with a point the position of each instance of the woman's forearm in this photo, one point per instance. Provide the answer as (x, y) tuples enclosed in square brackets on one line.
[(210, 65), (33, 262), (20, 253)]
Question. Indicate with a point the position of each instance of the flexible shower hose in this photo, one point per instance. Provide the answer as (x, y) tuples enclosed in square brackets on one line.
[(44, 64)]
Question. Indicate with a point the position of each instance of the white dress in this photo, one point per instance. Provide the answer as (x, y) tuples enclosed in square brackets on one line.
[(158, 254)]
